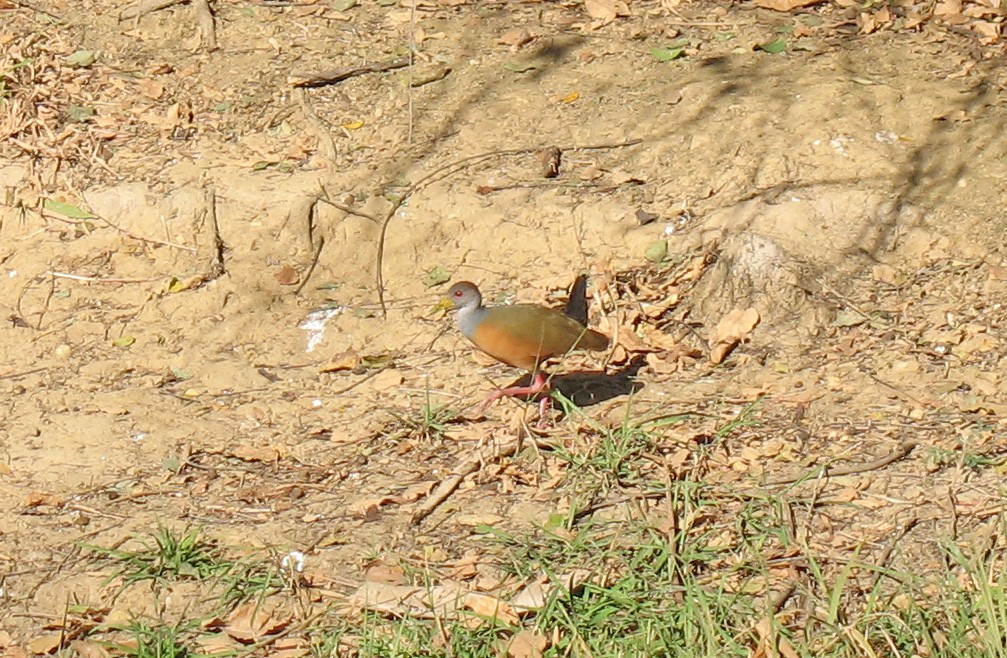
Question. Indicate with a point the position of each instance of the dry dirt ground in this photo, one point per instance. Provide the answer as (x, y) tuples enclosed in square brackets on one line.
[(850, 189)]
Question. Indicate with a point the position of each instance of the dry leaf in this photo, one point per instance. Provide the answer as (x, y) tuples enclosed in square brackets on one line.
[(606, 11), (260, 454), (535, 595), (730, 331), (88, 649), (290, 647), (368, 509), (37, 499), (152, 89), (386, 379), (491, 608), (379, 572), (287, 276), (252, 621), (785, 5), (485, 518), (515, 37), (948, 8), (527, 644), (45, 644), (345, 360), (217, 644), (416, 492), (660, 364)]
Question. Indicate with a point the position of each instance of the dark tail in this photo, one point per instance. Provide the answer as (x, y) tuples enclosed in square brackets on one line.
[(576, 304)]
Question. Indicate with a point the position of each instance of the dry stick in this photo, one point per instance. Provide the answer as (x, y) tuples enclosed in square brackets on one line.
[(447, 170), (901, 531), (826, 471), (207, 30), (28, 5), (487, 189), (448, 486), (333, 76), (145, 7), (308, 110), (48, 299), (216, 269), (23, 373), (311, 267), (350, 211), (162, 243), (97, 279), (116, 227)]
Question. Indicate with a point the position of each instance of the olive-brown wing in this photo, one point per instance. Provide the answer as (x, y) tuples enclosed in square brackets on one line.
[(524, 335)]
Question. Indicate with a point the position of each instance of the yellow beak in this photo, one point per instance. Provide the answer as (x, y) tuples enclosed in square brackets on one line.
[(445, 304)]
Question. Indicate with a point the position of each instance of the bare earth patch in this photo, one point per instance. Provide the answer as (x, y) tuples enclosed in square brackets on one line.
[(217, 285)]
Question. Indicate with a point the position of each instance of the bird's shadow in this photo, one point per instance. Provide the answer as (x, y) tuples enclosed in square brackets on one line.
[(585, 389)]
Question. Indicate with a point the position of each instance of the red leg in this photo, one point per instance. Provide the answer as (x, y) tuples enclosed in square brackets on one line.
[(539, 385)]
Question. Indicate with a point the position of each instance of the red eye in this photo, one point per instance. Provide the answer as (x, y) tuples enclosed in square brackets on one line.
[(458, 293)]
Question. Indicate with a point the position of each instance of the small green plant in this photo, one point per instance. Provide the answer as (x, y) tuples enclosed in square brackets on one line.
[(429, 424), (251, 578), (169, 556), (153, 642)]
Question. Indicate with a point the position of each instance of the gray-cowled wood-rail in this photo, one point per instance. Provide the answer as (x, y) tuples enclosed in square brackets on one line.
[(520, 335)]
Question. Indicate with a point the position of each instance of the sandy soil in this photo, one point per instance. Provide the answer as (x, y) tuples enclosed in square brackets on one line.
[(850, 190)]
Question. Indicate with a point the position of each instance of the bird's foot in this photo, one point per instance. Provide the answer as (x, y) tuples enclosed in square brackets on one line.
[(538, 387)]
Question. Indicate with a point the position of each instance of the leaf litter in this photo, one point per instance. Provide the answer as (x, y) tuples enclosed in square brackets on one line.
[(930, 358)]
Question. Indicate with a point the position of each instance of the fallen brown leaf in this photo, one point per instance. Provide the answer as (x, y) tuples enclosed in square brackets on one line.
[(259, 454), (785, 5), (287, 276), (379, 572), (535, 595), (515, 37), (386, 380), (88, 649), (606, 11), (527, 644), (730, 331), (346, 360), (217, 644), (252, 621), (38, 498), (45, 644)]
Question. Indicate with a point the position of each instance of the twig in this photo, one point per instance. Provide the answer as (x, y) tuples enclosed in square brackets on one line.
[(826, 471), (604, 187), (23, 373), (350, 211), (217, 246), (900, 531), (350, 387), (308, 110), (45, 305), (333, 76), (430, 75), (44, 12), (163, 243), (145, 7), (409, 87), (97, 279), (448, 486), (902, 394), (447, 170), (311, 267), (207, 30)]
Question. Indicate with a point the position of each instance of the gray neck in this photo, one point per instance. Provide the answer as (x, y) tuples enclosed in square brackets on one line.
[(469, 317)]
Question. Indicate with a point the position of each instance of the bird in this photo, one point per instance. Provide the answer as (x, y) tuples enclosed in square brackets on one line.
[(523, 335)]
